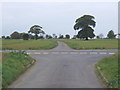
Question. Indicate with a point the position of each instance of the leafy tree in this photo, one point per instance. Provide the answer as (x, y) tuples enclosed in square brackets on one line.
[(41, 37), (111, 34), (48, 36), (31, 36), (15, 35), (36, 29), (75, 36), (97, 37), (7, 37), (67, 36), (25, 36), (61, 36), (84, 23), (54, 36), (3, 37)]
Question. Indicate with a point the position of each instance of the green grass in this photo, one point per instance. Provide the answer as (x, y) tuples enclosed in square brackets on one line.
[(92, 44), (13, 65), (29, 44), (109, 68)]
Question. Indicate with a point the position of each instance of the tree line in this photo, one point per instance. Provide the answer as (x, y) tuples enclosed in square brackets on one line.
[(84, 24), (38, 34)]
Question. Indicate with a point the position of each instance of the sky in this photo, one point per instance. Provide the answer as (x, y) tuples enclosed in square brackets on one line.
[(57, 17)]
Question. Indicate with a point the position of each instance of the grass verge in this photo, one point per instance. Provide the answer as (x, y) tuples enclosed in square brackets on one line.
[(13, 65), (107, 70), (28, 44), (92, 44)]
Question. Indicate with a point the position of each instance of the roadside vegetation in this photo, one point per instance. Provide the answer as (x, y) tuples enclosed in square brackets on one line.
[(108, 70), (29, 44), (13, 65), (92, 44)]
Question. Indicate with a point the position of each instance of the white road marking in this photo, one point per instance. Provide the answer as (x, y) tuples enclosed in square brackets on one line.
[(93, 53), (37, 53), (55, 52), (73, 52), (111, 53), (83, 52), (45, 52), (102, 53), (64, 52)]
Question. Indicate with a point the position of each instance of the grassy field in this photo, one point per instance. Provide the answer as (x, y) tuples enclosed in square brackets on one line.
[(28, 44), (109, 67), (13, 65), (92, 44)]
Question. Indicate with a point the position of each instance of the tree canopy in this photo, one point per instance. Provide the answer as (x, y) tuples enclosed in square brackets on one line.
[(85, 24), (111, 34), (36, 29), (15, 35)]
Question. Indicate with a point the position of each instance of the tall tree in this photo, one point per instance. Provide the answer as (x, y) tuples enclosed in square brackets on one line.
[(36, 29), (54, 36), (25, 36), (61, 36), (111, 34), (84, 23), (67, 36), (15, 35)]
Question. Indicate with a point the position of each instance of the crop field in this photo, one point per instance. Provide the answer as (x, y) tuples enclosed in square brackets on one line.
[(92, 44), (28, 44), (109, 68)]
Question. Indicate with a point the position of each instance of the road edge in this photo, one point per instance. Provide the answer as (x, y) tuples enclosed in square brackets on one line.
[(101, 77)]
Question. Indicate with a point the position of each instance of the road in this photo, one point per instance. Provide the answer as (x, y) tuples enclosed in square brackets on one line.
[(62, 67)]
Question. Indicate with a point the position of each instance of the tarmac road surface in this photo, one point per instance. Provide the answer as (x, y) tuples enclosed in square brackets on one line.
[(62, 67)]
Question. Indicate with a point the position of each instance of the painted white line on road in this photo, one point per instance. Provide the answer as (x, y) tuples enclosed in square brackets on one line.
[(111, 53), (83, 52), (73, 53), (64, 52), (55, 52), (93, 53), (102, 53), (37, 53), (45, 52)]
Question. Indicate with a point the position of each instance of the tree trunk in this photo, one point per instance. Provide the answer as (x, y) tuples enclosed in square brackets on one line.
[(36, 36), (86, 38)]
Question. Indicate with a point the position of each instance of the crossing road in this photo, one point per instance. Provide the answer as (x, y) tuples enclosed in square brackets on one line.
[(62, 67)]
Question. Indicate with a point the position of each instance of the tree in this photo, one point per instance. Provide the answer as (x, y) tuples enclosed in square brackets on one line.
[(84, 23), (31, 36), (61, 36), (41, 37), (48, 36), (36, 29), (54, 36), (97, 37), (75, 37), (3, 37), (25, 36), (7, 37), (15, 35), (111, 34), (67, 36)]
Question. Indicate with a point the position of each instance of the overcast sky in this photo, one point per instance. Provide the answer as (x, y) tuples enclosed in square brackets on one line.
[(58, 17)]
